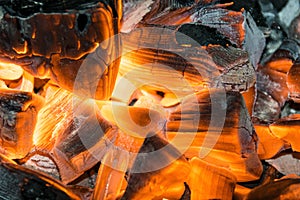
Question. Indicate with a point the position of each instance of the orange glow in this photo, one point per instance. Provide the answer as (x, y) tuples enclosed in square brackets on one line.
[(9, 71), (22, 50), (282, 65)]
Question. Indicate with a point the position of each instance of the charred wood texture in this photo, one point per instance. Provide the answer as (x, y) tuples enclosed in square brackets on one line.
[(18, 115), (71, 36), (20, 183), (157, 160), (236, 136), (209, 109), (76, 128)]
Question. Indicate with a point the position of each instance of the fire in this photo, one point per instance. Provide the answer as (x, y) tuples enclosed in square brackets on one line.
[(189, 103)]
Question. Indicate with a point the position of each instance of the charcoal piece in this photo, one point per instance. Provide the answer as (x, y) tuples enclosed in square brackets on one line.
[(81, 145), (266, 109), (20, 183), (208, 181), (273, 82), (269, 145), (133, 13), (155, 170), (289, 49), (26, 8), (18, 115), (83, 192), (43, 164), (110, 181), (269, 175), (187, 193), (237, 74), (203, 35), (294, 29), (281, 189), (169, 12), (272, 77), (73, 133), (268, 11), (254, 40), (161, 62), (218, 128), (287, 129), (274, 37), (10, 71), (62, 30), (287, 163), (71, 36), (288, 13), (279, 4), (290, 108), (227, 22), (293, 79), (250, 6)]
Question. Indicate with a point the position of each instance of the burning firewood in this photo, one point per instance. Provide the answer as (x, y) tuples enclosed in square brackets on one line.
[(21, 183), (219, 182), (272, 80), (71, 35), (134, 124), (180, 129), (196, 127), (287, 129), (293, 81), (71, 131), (287, 188), (237, 74), (269, 145), (18, 116), (155, 171)]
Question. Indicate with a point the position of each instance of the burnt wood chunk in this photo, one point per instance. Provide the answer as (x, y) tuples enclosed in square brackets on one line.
[(281, 189), (18, 115), (237, 73), (216, 126), (18, 182), (73, 132), (155, 170), (73, 31), (287, 128), (228, 22), (293, 80), (208, 181), (266, 109), (269, 145)]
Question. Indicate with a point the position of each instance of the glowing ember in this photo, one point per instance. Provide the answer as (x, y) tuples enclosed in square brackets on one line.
[(154, 100)]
